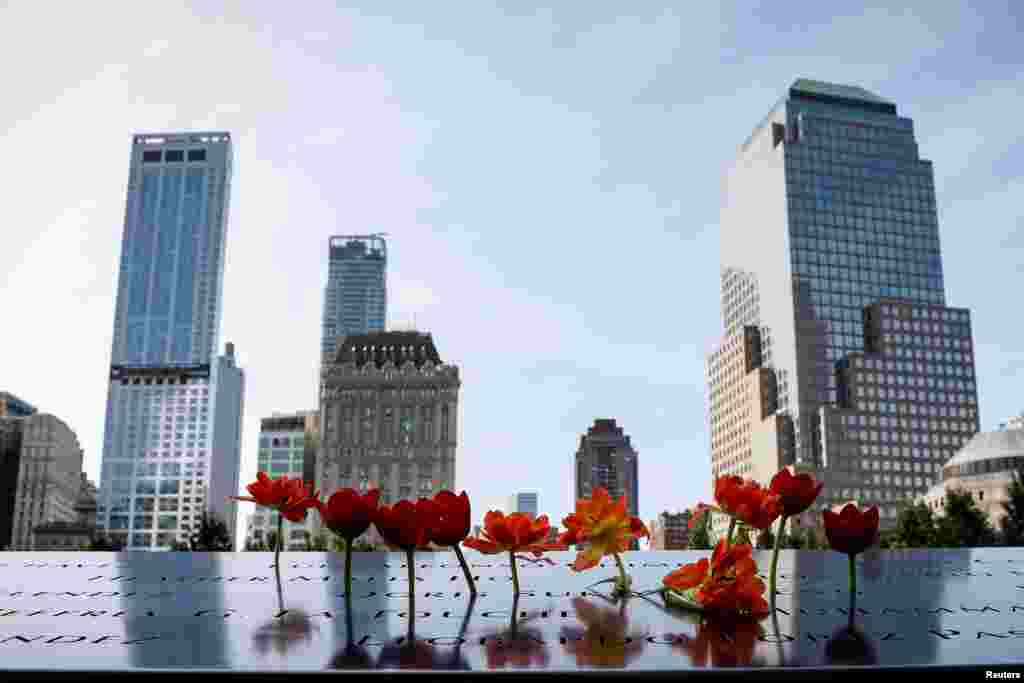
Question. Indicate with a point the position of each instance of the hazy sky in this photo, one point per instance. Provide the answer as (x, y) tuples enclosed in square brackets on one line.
[(550, 178)]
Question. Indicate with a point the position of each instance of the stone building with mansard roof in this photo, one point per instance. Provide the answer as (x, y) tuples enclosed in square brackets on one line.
[(389, 407)]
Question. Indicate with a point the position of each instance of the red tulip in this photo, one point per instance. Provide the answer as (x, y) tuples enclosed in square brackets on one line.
[(453, 518), (796, 493), (290, 497), (514, 533), (851, 531), (349, 513), (744, 500), (407, 525)]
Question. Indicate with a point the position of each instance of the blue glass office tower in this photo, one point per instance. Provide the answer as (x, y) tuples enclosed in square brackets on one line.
[(355, 297), (161, 458), (830, 246)]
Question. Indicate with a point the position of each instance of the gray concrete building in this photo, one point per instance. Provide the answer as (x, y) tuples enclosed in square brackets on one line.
[(389, 407), (356, 294), (75, 535), (172, 406), (606, 458), (829, 222), (42, 477)]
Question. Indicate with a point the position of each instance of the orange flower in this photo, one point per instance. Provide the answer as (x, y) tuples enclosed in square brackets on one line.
[(796, 493), (728, 642), (604, 525), (743, 499), (290, 497), (514, 533), (728, 584)]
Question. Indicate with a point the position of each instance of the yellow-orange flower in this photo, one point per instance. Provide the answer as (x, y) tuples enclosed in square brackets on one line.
[(603, 525), (728, 584)]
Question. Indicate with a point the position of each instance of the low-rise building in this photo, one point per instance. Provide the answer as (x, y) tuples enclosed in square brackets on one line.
[(984, 468), (670, 531)]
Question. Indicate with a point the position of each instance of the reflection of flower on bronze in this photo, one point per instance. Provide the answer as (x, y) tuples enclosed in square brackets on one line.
[(849, 646), (284, 633), (351, 657), (516, 646), (520, 648), (418, 654), (727, 642), (604, 639)]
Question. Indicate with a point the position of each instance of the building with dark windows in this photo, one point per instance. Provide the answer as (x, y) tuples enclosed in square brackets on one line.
[(388, 411), (288, 444), (171, 445), (606, 458), (830, 255), (12, 406), (356, 296)]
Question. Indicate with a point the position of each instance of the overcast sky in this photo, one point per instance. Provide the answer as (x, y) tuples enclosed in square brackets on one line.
[(550, 178)]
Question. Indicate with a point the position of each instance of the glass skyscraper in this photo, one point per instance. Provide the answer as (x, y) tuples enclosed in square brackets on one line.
[(355, 298), (829, 225), (161, 457)]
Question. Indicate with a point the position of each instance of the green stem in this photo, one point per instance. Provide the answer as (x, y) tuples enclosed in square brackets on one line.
[(515, 573), (853, 574), (465, 570), (412, 584), (775, 555), (348, 566), (277, 559), (623, 583), (732, 527)]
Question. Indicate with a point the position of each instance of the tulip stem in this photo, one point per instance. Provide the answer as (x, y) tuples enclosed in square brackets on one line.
[(515, 573), (412, 583), (277, 560), (348, 566), (775, 555), (622, 585), (732, 528), (465, 570), (853, 574)]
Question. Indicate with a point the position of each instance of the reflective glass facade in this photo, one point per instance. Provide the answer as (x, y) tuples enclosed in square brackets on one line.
[(157, 469), (355, 298), (828, 211)]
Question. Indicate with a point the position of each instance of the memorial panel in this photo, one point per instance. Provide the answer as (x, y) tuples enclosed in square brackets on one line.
[(223, 611)]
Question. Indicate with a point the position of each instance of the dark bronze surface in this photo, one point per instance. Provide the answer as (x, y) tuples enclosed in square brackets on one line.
[(123, 611)]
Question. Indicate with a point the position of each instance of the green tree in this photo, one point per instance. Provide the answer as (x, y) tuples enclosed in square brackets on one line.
[(700, 539), (915, 527), (211, 535), (316, 543), (1013, 524), (962, 524)]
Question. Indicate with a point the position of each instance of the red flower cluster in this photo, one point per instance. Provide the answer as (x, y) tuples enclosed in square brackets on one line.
[(290, 497), (513, 533), (728, 584), (743, 499)]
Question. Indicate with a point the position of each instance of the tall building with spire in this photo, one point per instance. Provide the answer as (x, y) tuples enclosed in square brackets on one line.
[(839, 353), (172, 435)]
